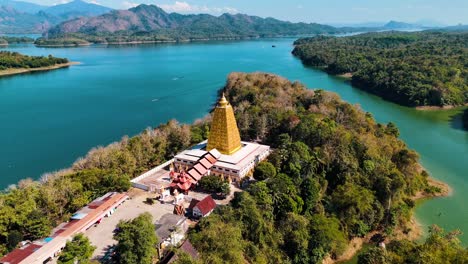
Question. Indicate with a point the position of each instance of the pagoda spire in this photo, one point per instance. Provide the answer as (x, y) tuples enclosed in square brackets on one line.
[(224, 134)]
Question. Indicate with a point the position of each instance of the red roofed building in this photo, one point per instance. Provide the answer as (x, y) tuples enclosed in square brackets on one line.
[(202, 208), (182, 182)]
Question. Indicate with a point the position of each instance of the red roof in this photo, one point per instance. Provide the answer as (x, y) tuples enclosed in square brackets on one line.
[(206, 205), (206, 163), (194, 174), (188, 248), (210, 158), (19, 254), (200, 168)]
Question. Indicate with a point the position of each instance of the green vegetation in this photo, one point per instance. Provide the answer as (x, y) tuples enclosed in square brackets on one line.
[(61, 42), (15, 60), (149, 23), (339, 175), (412, 69), (264, 170), (5, 40), (31, 209), (439, 247), (214, 184), (79, 250), (137, 241)]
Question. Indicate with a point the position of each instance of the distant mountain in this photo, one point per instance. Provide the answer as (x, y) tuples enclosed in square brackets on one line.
[(23, 17), (145, 20), (13, 21), (77, 8), (25, 7), (400, 25)]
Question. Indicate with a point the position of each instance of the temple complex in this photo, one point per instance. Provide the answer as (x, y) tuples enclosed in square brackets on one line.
[(224, 153)]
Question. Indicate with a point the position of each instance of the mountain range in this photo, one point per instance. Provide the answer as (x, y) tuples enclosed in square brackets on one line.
[(25, 17), (150, 18)]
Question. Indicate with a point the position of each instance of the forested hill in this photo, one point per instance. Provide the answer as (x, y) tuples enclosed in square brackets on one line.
[(334, 174), (149, 22), (412, 69), (15, 60)]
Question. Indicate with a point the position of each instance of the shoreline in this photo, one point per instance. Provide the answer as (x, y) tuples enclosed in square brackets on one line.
[(10, 72), (414, 226), (438, 108), (349, 76)]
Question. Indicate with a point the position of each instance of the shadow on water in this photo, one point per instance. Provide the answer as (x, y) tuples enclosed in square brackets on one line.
[(456, 121)]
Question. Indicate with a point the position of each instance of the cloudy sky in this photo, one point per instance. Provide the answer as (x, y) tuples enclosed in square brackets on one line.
[(323, 11)]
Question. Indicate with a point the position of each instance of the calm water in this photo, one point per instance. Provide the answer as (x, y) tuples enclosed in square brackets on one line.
[(50, 119)]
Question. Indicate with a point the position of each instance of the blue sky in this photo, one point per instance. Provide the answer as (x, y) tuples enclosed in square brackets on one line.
[(322, 11)]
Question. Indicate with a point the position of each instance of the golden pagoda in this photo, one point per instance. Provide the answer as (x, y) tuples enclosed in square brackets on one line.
[(224, 134)]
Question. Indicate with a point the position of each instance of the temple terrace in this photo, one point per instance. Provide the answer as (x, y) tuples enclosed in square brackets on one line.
[(223, 154)]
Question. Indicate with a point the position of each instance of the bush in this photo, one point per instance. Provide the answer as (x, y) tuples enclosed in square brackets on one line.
[(264, 170)]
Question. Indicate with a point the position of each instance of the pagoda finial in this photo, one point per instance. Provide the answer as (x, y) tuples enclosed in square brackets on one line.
[(223, 102)]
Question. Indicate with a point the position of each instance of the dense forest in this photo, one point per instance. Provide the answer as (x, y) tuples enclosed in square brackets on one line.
[(412, 69), (335, 174), (15, 60), (65, 42), (5, 40), (439, 247)]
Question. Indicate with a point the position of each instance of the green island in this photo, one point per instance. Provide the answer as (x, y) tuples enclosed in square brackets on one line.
[(5, 40), (335, 176), (61, 42), (12, 63), (417, 69)]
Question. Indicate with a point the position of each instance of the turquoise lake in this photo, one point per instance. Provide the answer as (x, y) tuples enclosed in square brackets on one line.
[(50, 119)]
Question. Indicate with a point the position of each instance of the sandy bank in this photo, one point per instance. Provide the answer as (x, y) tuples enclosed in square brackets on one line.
[(445, 107), (27, 70)]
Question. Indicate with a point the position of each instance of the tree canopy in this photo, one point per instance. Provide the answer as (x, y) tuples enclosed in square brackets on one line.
[(12, 60), (137, 241), (77, 251), (334, 174), (409, 68)]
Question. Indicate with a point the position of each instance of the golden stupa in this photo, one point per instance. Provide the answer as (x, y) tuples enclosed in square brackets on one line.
[(224, 134)]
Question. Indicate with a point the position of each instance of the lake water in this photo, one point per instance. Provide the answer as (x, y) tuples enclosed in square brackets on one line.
[(50, 119)]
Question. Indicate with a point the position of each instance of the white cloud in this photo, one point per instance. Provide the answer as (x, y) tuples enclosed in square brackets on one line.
[(128, 4), (184, 7)]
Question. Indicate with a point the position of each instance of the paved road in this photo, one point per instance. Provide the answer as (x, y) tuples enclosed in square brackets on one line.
[(101, 235)]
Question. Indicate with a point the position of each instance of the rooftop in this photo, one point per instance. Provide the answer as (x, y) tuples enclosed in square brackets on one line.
[(166, 225), (236, 161)]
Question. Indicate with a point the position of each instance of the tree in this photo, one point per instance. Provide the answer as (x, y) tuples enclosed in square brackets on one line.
[(77, 251), (264, 170), (374, 255), (137, 241), (14, 237)]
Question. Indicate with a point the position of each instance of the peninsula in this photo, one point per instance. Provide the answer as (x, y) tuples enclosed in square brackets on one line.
[(417, 69), (332, 174), (12, 63)]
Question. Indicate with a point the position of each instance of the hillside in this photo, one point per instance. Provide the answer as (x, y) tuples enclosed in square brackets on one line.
[(76, 8), (23, 17), (151, 23), (25, 7), (14, 21), (412, 69), (336, 174)]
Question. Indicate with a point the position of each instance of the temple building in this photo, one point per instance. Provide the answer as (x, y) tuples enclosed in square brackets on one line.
[(224, 153)]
